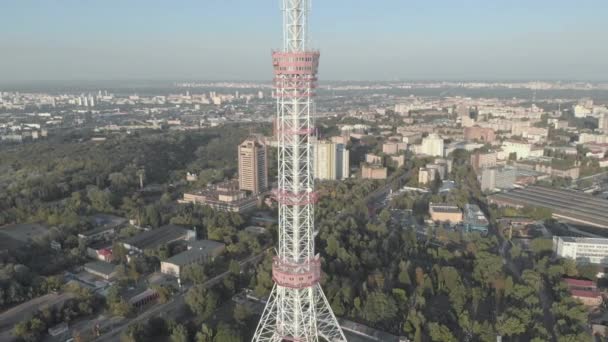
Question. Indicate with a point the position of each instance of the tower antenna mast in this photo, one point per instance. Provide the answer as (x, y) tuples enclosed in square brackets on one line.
[(297, 310)]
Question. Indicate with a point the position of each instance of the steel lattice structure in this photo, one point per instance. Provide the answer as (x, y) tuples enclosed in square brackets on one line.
[(297, 309)]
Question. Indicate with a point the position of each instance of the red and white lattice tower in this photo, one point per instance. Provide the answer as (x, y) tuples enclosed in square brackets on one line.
[(297, 309)]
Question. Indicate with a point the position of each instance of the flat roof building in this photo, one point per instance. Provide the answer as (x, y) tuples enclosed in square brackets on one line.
[(443, 212), (582, 250), (475, 220), (567, 205), (331, 161), (224, 196), (101, 269), (373, 172), (155, 238), (198, 252)]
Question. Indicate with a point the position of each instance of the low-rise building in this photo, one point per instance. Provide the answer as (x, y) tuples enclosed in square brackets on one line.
[(97, 234), (483, 134), (390, 148), (522, 149), (582, 250), (101, 251), (158, 237), (398, 161), (222, 197), (443, 212), (373, 159), (373, 172), (101, 269), (475, 220), (553, 167), (584, 290), (426, 176), (198, 252), (105, 227)]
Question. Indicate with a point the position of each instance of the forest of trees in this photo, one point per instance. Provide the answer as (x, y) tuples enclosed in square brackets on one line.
[(444, 287), (457, 290)]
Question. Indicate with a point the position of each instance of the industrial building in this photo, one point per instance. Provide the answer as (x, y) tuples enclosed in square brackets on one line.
[(97, 234), (582, 250), (566, 205), (105, 227), (198, 252), (158, 237)]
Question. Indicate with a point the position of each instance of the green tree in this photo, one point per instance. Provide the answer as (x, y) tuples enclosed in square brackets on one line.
[(440, 333), (179, 334), (227, 333), (202, 301), (241, 313), (379, 307)]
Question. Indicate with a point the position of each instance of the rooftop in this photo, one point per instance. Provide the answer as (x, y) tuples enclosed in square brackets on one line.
[(565, 204), (157, 237), (594, 241), (100, 267), (579, 282), (444, 208), (200, 247), (97, 230), (474, 215)]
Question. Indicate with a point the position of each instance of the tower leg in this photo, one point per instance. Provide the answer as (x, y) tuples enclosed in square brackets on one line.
[(298, 315), (327, 324)]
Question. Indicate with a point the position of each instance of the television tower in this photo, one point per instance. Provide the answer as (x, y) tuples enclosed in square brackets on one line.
[(297, 310)]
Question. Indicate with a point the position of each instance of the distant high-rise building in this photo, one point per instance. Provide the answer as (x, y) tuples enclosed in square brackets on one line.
[(331, 161), (253, 166), (603, 123)]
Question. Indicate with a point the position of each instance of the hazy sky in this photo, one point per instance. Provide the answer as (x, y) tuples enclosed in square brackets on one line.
[(358, 39)]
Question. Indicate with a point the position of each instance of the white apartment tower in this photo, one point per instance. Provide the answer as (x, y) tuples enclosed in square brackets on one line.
[(330, 160), (432, 145)]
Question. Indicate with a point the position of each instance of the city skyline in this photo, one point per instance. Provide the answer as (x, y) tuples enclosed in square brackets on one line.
[(188, 40)]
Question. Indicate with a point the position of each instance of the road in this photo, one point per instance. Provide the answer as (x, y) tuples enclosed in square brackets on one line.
[(375, 198), (175, 304)]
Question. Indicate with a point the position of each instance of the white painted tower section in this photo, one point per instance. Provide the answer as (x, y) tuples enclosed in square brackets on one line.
[(297, 309)]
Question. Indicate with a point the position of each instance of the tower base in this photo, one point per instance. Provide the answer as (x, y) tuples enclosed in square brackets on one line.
[(298, 315)]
